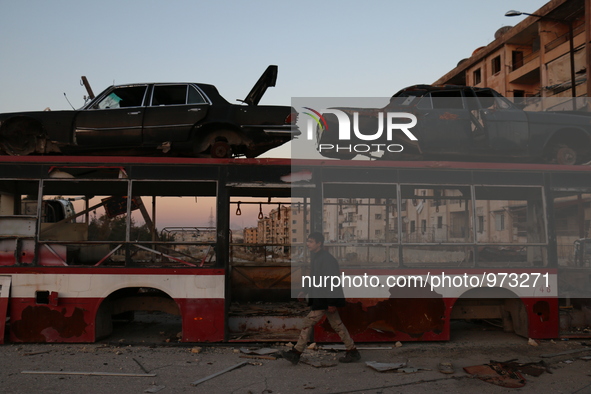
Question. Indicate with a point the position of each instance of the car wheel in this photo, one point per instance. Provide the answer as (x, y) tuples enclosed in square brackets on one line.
[(220, 150), (17, 139), (564, 154)]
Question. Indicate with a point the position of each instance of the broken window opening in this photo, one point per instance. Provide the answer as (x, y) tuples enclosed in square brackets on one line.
[(515, 235), (123, 97), (360, 224), (495, 65)]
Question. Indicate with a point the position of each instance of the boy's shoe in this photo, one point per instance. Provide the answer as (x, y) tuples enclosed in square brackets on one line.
[(351, 356), (293, 356)]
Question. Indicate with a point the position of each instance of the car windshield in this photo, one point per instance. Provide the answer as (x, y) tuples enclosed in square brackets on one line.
[(406, 98), (111, 101), (122, 97), (489, 99)]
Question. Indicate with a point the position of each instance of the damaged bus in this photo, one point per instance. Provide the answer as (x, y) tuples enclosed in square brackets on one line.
[(218, 246)]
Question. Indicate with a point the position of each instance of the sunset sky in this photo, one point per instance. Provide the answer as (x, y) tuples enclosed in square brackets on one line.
[(323, 49)]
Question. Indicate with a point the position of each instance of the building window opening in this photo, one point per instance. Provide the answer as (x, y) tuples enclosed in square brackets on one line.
[(495, 65), (517, 59), (477, 76)]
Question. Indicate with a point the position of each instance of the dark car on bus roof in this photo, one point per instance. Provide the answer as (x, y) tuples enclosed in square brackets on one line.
[(155, 118), (468, 123)]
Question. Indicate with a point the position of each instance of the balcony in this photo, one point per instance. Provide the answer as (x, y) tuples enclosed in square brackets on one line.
[(528, 72), (564, 38)]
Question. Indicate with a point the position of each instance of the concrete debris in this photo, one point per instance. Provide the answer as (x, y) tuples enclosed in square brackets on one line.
[(498, 374), (384, 367), (258, 352), (258, 357), (532, 369), (313, 346), (318, 364), (398, 344), (411, 370), (532, 342), (446, 367), (196, 349)]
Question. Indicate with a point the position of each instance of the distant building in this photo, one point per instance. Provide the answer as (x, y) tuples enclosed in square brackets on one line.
[(250, 235), (299, 218), (532, 59), (529, 60), (191, 234), (282, 226), (436, 218)]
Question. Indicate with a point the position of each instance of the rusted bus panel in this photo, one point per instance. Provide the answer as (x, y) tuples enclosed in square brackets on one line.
[(5, 282), (77, 305), (542, 317), (52, 255), (22, 251), (203, 319), (18, 226), (263, 328), (71, 321), (7, 251), (393, 319), (428, 319), (17, 251), (74, 320)]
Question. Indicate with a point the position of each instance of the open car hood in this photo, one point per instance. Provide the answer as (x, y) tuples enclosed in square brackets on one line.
[(266, 80)]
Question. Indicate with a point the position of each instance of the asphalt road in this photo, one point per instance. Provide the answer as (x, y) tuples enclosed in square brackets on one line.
[(176, 366)]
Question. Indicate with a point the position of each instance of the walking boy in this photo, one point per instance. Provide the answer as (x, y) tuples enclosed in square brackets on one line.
[(323, 301)]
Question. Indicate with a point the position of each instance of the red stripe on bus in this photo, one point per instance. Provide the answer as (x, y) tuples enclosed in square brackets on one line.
[(111, 271)]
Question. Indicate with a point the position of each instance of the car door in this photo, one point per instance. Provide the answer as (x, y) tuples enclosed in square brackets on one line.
[(115, 120), (444, 123), (506, 126), (173, 110)]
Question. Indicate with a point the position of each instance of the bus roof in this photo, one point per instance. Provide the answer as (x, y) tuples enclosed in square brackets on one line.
[(135, 160)]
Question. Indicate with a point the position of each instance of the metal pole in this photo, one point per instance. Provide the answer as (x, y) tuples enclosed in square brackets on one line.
[(572, 64)]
